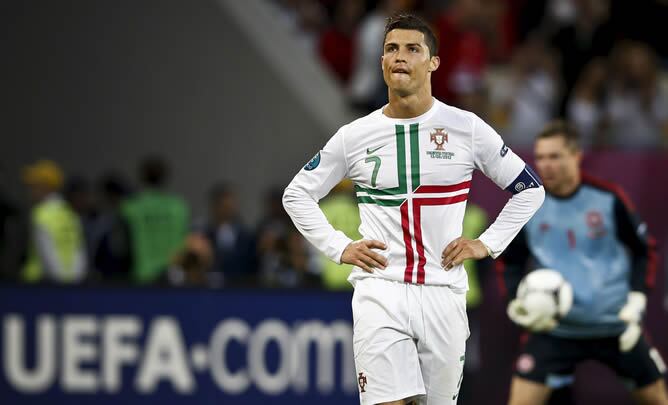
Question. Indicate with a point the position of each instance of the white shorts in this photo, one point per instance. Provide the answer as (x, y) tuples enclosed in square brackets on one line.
[(409, 341)]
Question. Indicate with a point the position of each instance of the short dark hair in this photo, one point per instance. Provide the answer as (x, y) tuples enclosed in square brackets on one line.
[(153, 171), (412, 22), (220, 190), (564, 129)]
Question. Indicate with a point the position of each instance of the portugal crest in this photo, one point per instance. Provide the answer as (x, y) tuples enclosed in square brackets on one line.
[(439, 137)]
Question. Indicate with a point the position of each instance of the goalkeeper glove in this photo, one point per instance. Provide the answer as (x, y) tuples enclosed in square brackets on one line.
[(631, 313), (532, 321)]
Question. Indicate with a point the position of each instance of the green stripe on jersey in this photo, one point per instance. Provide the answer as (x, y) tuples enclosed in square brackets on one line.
[(415, 156), (401, 167), (380, 201)]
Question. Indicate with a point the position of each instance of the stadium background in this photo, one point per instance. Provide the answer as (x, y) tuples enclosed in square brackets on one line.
[(243, 92)]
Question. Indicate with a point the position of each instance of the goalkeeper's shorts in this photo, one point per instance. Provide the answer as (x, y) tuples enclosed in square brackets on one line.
[(551, 360)]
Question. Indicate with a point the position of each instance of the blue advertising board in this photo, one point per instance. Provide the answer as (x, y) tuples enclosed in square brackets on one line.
[(110, 346)]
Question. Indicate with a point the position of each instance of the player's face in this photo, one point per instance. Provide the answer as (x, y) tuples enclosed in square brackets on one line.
[(557, 163), (406, 63)]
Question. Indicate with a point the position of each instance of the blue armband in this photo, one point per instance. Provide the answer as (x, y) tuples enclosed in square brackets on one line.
[(526, 179)]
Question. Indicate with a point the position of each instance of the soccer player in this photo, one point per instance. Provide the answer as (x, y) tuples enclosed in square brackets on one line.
[(411, 162), (587, 230)]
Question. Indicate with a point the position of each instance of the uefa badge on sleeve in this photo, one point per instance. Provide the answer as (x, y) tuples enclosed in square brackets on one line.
[(313, 163)]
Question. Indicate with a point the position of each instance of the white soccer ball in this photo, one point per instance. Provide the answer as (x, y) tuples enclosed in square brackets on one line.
[(546, 293)]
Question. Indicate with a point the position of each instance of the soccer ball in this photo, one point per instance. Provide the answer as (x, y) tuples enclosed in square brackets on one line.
[(545, 293)]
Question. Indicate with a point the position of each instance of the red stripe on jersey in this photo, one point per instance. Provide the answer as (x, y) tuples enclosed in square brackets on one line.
[(408, 273), (417, 205), (443, 189)]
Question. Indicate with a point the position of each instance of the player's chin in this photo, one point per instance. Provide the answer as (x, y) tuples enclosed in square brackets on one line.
[(400, 87)]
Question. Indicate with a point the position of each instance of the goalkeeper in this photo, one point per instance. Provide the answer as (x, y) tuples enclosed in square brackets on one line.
[(587, 230)]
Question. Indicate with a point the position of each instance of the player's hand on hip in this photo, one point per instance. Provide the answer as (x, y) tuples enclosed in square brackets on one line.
[(461, 249), (360, 254)]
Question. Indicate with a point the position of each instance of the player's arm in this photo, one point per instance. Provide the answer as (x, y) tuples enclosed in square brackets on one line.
[(300, 201), (632, 231), (509, 172)]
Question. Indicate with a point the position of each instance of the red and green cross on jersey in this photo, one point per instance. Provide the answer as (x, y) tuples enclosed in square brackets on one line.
[(400, 196)]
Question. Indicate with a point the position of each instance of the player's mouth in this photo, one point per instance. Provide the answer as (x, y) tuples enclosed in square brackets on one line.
[(400, 70)]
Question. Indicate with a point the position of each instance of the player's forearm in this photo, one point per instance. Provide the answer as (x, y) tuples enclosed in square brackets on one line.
[(515, 214), (312, 223)]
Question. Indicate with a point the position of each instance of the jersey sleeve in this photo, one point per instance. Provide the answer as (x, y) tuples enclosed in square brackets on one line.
[(633, 233), (492, 157), (508, 171), (300, 199)]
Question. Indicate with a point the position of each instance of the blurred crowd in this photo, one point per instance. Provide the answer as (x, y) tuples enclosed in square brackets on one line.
[(515, 63), (114, 231)]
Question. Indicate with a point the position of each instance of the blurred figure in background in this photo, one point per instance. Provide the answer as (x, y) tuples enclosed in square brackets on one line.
[(305, 19), (157, 222), (637, 106), (337, 43), (533, 92), (590, 35), (462, 47), (341, 210), (77, 192), (111, 254), (367, 89), (13, 234), (585, 107), (192, 266), (232, 243), (58, 252), (285, 258)]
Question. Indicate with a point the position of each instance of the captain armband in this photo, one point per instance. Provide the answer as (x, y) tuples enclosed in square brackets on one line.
[(526, 179)]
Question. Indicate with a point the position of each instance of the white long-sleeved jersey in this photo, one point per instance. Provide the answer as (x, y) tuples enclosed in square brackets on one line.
[(412, 178)]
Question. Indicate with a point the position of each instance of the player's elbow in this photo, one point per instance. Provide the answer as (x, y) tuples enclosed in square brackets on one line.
[(291, 198), (288, 199)]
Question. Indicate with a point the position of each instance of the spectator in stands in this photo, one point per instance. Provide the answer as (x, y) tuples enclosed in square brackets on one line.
[(340, 209), (77, 192), (192, 266), (156, 221), (285, 258), (13, 234), (590, 35), (304, 19), (533, 94), (462, 48), (291, 263), (111, 253), (337, 43), (585, 107), (58, 252), (637, 106), (232, 243), (367, 89)]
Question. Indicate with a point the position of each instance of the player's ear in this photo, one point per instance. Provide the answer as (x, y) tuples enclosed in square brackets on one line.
[(434, 63), (382, 58)]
